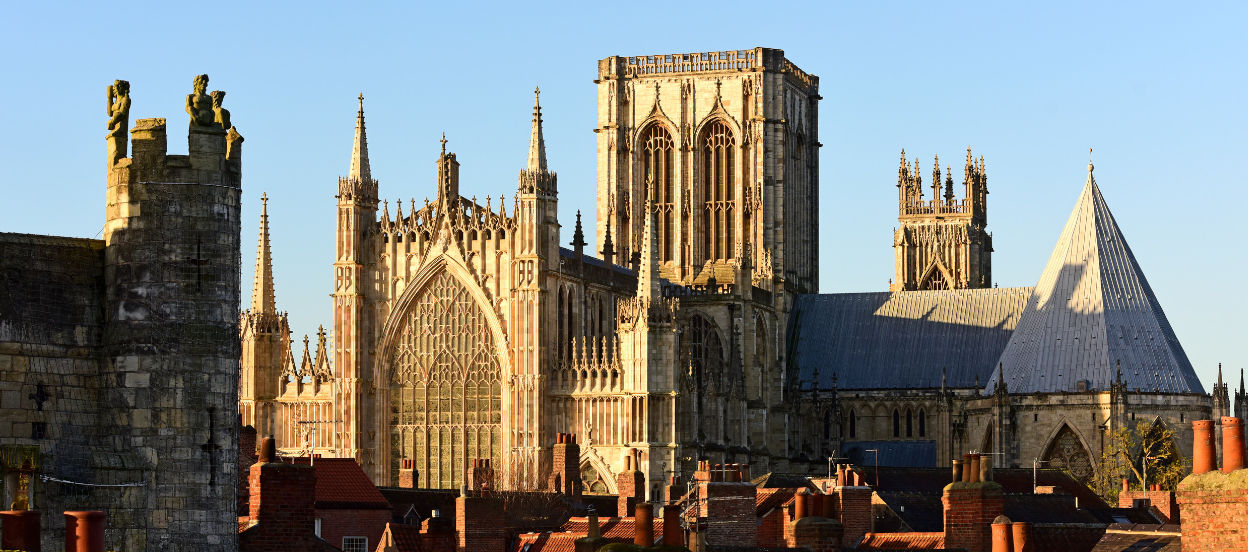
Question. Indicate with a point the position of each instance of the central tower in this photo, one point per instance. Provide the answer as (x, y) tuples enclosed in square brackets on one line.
[(724, 147)]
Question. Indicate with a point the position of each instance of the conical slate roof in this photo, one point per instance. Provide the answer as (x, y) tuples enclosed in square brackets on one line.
[(1091, 310)]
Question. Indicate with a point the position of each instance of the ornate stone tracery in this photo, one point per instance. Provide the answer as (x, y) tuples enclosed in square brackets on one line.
[(657, 167), (1066, 452), (446, 386)]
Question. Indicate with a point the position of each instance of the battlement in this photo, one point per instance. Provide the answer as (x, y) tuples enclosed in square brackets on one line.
[(756, 59)]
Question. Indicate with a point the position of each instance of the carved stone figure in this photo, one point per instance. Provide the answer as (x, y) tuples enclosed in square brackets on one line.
[(221, 115), (118, 119), (199, 105)]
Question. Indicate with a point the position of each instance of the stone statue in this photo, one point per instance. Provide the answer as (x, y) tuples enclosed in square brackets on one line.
[(199, 105), (221, 115), (118, 120)]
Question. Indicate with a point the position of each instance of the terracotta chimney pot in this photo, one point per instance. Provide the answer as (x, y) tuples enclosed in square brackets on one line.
[(1002, 536), (84, 531), (1022, 536), (1232, 444), (957, 471), (1202, 447), (643, 525)]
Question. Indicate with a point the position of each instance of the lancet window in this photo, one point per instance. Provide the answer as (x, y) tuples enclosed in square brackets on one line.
[(718, 178), (446, 386), (658, 175)]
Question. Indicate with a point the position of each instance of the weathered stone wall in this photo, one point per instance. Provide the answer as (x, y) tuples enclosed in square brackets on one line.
[(119, 358), (51, 321)]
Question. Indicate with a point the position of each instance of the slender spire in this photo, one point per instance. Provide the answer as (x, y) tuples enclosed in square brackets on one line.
[(578, 236), (359, 150), (608, 248), (537, 144), (648, 284), (262, 297)]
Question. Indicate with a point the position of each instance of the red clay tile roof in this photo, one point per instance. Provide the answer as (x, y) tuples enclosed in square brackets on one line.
[(342, 485), (902, 541), (611, 528), (769, 499), (406, 537), (547, 542)]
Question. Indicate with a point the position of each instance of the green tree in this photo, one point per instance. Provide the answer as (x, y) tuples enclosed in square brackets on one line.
[(1144, 455)]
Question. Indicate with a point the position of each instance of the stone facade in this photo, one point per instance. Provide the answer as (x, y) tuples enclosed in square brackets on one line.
[(462, 330), (119, 357), (943, 242)]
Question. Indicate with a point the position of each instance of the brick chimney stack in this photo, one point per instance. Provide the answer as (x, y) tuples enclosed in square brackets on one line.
[(565, 473), (481, 475), (631, 484), (728, 504), (1215, 502), (409, 478), (480, 523), (970, 508)]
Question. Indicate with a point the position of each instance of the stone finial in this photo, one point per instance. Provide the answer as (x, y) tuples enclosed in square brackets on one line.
[(537, 143), (199, 104)]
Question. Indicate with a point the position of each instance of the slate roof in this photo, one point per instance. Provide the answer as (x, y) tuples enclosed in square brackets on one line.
[(892, 453), (902, 340), (1142, 538), (1092, 309)]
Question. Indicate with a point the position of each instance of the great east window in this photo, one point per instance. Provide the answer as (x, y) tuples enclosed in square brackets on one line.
[(446, 387)]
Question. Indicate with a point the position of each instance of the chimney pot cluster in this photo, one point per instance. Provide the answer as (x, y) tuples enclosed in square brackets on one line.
[(565, 439), (1203, 450)]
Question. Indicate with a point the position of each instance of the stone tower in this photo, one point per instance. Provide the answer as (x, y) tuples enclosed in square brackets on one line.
[(169, 395), (536, 256), (354, 318), (724, 147), (264, 333), (943, 242)]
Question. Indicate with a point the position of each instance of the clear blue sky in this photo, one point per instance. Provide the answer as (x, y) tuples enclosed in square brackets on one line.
[(1157, 89)]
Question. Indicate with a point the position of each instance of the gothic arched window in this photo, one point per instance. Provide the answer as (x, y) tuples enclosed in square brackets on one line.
[(658, 176), (909, 423), (853, 424), (1066, 452), (896, 423), (706, 352), (446, 386), (922, 423), (718, 178)]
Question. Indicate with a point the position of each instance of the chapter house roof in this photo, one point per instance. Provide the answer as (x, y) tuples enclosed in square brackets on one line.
[(1091, 310)]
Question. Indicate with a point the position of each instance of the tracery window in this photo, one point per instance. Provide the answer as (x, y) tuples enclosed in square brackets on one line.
[(909, 423), (853, 424), (446, 387), (896, 423), (657, 174), (718, 232), (1066, 452), (922, 423)]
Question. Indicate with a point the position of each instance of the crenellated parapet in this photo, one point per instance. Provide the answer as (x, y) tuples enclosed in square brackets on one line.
[(943, 201)]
